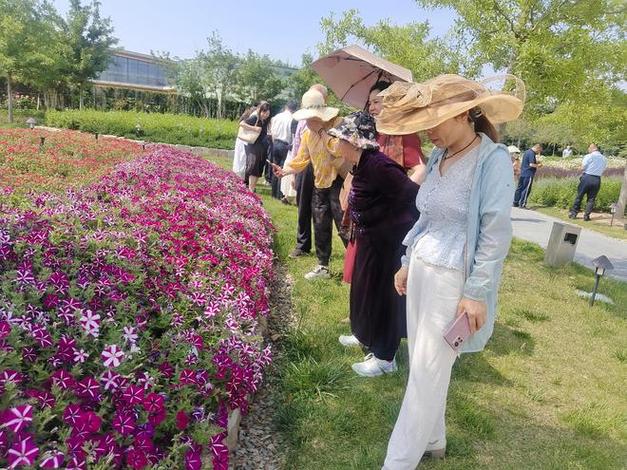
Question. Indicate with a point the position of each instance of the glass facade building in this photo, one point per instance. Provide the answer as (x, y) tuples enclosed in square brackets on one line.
[(132, 70)]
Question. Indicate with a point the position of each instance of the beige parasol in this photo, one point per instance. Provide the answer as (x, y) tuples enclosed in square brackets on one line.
[(351, 72)]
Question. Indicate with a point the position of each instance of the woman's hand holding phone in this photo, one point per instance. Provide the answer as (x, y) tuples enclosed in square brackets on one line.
[(476, 310)]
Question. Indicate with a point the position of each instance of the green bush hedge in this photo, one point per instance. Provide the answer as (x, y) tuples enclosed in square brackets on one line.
[(20, 116), (166, 128), (561, 192)]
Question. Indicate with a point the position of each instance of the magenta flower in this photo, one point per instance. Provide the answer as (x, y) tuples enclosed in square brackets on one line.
[(5, 329), (110, 380), (182, 420), (166, 369), (154, 403), (18, 418), (133, 395), (123, 423), (193, 458), (88, 421), (136, 459), (112, 356), (63, 379), (71, 414), (28, 354), (9, 375), (22, 453), (52, 459), (88, 388), (187, 377)]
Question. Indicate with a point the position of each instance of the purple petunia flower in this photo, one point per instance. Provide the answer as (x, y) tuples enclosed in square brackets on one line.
[(23, 452), (18, 418), (52, 459)]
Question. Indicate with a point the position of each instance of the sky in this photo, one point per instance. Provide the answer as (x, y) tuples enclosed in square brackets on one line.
[(282, 29)]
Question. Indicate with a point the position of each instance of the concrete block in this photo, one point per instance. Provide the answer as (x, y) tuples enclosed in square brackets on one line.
[(562, 244)]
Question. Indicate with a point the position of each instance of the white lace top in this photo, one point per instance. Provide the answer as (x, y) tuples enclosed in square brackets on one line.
[(443, 205)]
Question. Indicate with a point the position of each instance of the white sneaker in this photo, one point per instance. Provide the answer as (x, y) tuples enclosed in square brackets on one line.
[(373, 367), (349, 341), (321, 272)]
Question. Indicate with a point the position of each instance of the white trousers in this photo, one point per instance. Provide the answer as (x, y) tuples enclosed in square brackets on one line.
[(433, 294), (239, 158)]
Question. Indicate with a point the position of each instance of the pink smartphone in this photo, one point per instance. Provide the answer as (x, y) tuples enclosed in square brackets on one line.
[(458, 332)]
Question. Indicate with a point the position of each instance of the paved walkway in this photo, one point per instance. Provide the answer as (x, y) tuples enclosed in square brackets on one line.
[(536, 227)]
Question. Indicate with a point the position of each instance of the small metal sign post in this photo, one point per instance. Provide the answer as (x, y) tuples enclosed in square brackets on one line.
[(601, 264), (613, 211)]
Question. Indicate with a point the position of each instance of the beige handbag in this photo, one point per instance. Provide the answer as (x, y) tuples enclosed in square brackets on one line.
[(248, 135)]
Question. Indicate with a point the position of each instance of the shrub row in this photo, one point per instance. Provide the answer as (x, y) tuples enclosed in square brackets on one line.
[(165, 128), (562, 192)]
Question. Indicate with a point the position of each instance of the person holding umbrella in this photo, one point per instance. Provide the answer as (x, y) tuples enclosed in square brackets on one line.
[(321, 151)]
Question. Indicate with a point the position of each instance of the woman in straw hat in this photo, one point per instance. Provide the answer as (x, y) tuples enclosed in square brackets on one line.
[(320, 150), (382, 211), (455, 252)]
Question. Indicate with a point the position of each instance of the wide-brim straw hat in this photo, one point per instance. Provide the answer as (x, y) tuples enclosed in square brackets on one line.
[(413, 107), (313, 106), (513, 149), (358, 129)]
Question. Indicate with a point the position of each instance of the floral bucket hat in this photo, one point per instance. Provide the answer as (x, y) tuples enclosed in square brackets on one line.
[(358, 129)]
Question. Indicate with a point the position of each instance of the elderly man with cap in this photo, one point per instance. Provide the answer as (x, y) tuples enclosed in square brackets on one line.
[(320, 150)]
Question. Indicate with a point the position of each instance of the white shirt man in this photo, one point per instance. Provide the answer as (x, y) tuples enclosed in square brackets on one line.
[(281, 127)]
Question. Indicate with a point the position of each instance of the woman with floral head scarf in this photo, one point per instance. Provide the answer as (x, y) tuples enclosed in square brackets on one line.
[(382, 210), (455, 252)]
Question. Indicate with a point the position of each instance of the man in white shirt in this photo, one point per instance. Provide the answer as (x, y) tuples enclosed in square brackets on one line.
[(567, 152), (592, 166), (281, 133)]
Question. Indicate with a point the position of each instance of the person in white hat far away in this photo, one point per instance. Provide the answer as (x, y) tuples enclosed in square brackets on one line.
[(320, 149)]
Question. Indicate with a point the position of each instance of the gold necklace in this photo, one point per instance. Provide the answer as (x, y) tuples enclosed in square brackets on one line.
[(447, 156)]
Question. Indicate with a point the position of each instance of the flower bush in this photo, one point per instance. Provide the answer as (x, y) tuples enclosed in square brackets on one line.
[(67, 159), (561, 192), (128, 317)]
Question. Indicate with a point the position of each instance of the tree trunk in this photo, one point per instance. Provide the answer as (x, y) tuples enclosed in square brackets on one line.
[(80, 99), (10, 99), (622, 198)]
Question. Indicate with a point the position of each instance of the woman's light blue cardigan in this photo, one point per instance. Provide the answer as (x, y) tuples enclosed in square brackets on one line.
[(489, 230)]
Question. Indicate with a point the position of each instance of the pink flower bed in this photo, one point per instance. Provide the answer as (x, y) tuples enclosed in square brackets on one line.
[(128, 317)]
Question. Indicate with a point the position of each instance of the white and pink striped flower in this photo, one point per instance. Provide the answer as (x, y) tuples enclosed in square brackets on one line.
[(112, 356)]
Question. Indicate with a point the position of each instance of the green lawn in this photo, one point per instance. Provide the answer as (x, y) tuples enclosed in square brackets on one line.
[(616, 231), (547, 393)]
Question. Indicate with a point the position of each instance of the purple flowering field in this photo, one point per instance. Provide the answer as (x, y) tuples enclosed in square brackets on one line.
[(128, 317)]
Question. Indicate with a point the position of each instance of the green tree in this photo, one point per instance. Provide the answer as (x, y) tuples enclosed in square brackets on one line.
[(407, 45), (88, 38), (24, 36), (257, 78), (562, 49), (300, 81)]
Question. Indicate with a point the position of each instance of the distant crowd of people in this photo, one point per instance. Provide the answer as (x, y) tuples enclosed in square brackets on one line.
[(425, 239)]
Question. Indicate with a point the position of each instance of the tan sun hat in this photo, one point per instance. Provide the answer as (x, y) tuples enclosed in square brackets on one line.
[(313, 106), (413, 107)]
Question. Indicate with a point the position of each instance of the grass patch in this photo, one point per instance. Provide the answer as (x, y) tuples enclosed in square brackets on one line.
[(599, 223), (546, 392)]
